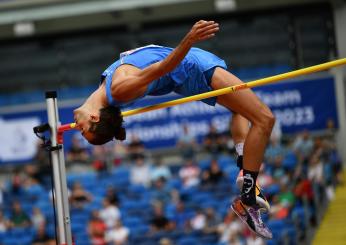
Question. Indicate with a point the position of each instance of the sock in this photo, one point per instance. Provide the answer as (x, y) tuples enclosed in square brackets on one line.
[(248, 194), (239, 149)]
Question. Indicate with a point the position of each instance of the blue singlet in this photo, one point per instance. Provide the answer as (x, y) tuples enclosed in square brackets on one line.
[(192, 76)]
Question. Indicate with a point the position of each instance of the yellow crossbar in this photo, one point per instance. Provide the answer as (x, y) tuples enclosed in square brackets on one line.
[(218, 92), (256, 83)]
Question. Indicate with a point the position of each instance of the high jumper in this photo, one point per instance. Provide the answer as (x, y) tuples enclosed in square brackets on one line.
[(158, 70)]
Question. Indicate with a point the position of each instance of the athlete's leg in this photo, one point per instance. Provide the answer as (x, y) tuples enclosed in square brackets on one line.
[(248, 105)]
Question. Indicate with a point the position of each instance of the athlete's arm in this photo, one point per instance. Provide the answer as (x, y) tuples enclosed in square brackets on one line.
[(127, 85)]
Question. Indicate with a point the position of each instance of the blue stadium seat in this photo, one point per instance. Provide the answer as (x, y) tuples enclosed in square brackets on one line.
[(290, 161), (188, 241)]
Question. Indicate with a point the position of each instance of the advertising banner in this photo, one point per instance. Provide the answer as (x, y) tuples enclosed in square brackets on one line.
[(297, 105)]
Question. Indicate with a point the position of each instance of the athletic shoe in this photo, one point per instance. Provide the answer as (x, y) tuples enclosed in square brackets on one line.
[(260, 198), (251, 216)]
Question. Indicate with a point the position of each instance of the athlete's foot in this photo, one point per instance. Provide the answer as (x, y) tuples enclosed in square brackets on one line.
[(251, 216), (260, 198)]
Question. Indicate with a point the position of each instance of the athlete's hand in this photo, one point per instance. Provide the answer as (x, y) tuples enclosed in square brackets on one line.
[(202, 30)]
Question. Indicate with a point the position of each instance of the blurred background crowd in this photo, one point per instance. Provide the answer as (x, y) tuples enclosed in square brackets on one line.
[(122, 194)]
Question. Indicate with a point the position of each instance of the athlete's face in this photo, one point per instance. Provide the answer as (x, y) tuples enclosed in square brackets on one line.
[(83, 120)]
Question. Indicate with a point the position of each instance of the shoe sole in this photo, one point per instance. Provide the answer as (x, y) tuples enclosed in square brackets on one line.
[(245, 222)]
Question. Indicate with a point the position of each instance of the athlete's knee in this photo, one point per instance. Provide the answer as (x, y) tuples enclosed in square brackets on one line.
[(266, 119)]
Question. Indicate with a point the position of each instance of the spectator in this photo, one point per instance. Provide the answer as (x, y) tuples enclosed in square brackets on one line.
[(212, 221), (303, 145), (17, 182), (252, 239), (160, 171), (213, 142), (140, 172), (274, 151), (230, 229), (182, 216), (79, 196), (118, 235), (135, 148), (264, 178), (198, 222), (315, 170), (19, 218), (41, 237), (4, 223), (111, 195), (100, 156), (165, 241), (159, 222), (213, 174), (189, 174), (187, 144), (43, 166), (160, 192), (97, 229), (37, 218), (119, 152), (77, 152), (109, 213)]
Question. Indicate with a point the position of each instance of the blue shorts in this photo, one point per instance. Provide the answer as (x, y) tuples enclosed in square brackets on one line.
[(192, 76)]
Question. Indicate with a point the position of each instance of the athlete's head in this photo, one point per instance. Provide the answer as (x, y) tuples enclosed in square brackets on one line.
[(102, 126)]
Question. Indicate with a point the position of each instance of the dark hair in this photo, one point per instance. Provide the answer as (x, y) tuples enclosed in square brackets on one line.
[(108, 127)]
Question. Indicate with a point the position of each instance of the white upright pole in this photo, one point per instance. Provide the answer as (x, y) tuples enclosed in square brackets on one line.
[(58, 163)]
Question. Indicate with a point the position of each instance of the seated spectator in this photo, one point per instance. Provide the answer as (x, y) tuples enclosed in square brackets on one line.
[(140, 172), (118, 235), (230, 229), (41, 237), (213, 142), (213, 174), (252, 239), (189, 174), (18, 217), (41, 160), (212, 221), (303, 145), (182, 216), (4, 223), (109, 213), (304, 190), (159, 222), (119, 152), (37, 218), (100, 156), (96, 229), (264, 178), (77, 153), (79, 196), (31, 171), (315, 169), (187, 144), (198, 221), (17, 180), (274, 151), (160, 171), (160, 192), (111, 195), (165, 241), (278, 209), (135, 148)]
